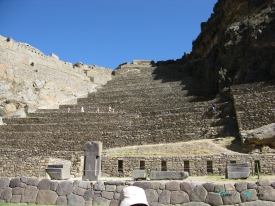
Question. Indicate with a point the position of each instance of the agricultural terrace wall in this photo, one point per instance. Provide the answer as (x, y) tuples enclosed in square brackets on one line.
[(254, 104)]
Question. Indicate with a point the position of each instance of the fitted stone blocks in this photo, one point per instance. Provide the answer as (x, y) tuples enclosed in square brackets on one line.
[(164, 193), (168, 175), (58, 172), (238, 170), (139, 174)]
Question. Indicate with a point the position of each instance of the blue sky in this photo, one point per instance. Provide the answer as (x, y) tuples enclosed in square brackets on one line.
[(106, 33)]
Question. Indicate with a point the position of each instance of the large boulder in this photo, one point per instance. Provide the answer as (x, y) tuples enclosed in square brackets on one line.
[(46, 197), (261, 136)]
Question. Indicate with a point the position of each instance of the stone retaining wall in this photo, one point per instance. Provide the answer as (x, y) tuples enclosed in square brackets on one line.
[(86, 193), (254, 104), (196, 165), (14, 163)]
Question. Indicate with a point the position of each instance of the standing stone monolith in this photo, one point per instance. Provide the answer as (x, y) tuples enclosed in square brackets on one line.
[(1, 122), (92, 161)]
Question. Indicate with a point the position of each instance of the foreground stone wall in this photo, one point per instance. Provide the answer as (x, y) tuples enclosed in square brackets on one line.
[(80, 193)]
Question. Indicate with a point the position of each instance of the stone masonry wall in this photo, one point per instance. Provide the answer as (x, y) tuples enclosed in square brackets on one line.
[(198, 165), (32, 163), (254, 104), (80, 193)]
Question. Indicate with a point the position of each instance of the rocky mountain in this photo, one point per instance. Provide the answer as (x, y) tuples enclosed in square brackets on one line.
[(236, 45), (29, 79)]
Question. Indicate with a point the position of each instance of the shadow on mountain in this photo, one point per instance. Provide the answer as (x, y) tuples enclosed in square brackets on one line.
[(236, 145), (171, 71)]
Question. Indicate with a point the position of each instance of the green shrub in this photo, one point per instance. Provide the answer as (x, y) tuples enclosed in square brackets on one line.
[(2, 113)]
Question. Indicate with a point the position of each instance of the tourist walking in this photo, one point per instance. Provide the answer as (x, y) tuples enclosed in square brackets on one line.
[(82, 109), (97, 110), (213, 107)]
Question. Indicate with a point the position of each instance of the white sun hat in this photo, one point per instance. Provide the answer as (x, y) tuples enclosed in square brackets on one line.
[(132, 195)]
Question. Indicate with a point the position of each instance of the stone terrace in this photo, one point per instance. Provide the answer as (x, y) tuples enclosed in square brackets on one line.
[(153, 104), (254, 104)]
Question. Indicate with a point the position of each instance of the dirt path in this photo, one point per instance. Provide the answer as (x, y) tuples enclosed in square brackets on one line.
[(201, 179)]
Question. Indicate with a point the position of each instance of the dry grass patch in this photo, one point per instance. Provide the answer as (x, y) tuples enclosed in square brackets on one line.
[(196, 147)]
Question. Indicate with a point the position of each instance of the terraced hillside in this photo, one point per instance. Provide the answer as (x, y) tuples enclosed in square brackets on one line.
[(153, 104)]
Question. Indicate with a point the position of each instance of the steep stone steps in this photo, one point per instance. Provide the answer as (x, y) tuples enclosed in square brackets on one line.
[(141, 81), (137, 91), (203, 108), (99, 126), (254, 97), (100, 135), (138, 107), (51, 145), (125, 97), (134, 72), (253, 88), (112, 139), (173, 96), (156, 122), (249, 120), (143, 87), (68, 135), (152, 105), (70, 118), (175, 114), (254, 104), (157, 72), (148, 94)]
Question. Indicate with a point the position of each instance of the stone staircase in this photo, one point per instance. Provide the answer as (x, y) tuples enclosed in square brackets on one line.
[(152, 105)]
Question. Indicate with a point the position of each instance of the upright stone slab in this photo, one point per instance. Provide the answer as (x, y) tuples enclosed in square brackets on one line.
[(1, 122), (92, 161), (59, 171)]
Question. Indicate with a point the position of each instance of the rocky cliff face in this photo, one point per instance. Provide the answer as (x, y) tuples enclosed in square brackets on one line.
[(236, 45), (30, 80)]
